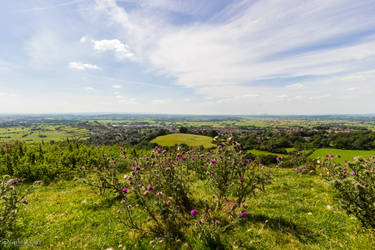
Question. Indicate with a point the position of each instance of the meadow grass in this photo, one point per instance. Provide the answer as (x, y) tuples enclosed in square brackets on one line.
[(295, 212), (346, 155), (188, 139), (40, 133)]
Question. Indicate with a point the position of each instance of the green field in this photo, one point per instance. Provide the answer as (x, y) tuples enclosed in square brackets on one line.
[(260, 152), (346, 155), (39, 133), (188, 139), (295, 212)]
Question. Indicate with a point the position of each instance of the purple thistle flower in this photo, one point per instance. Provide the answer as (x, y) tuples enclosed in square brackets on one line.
[(213, 161), (130, 182), (346, 162), (352, 173), (15, 182), (278, 157), (217, 222), (327, 156), (159, 193), (213, 196), (357, 184), (344, 172), (121, 149), (137, 168), (331, 156), (222, 144), (149, 188), (207, 159), (242, 180), (114, 162), (193, 212), (103, 155), (25, 202), (147, 158), (184, 158), (124, 190), (244, 213), (168, 203)]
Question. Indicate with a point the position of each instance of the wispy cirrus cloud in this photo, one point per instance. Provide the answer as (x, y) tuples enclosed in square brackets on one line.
[(252, 47)]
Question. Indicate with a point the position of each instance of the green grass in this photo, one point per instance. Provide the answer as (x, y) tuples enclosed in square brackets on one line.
[(39, 133), (188, 139), (295, 212), (260, 152), (346, 155)]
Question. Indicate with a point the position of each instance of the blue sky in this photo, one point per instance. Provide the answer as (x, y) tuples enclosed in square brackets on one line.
[(187, 56)]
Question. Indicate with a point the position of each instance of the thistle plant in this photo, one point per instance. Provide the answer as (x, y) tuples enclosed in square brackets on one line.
[(355, 185), (158, 191), (12, 198)]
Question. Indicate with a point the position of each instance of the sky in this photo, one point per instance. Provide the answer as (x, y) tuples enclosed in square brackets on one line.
[(187, 56)]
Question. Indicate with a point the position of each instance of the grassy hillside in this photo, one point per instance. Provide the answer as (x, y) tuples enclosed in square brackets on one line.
[(188, 139), (346, 155), (295, 212)]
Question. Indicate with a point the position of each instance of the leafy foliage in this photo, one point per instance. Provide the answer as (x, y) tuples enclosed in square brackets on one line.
[(11, 199), (157, 192), (355, 183)]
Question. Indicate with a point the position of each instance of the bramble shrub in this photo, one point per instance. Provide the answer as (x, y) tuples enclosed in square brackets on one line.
[(12, 197), (160, 192), (355, 184)]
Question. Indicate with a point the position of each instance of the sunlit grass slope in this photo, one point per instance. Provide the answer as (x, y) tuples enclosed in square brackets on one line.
[(295, 212), (346, 155), (188, 139)]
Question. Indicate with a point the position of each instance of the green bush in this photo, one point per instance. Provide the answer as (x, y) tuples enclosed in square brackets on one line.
[(12, 197), (158, 192), (355, 184)]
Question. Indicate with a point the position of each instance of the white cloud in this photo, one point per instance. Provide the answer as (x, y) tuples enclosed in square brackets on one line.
[(295, 86), (352, 89), (247, 47), (120, 49), (6, 94), (116, 86), (161, 101), (89, 88), (82, 66), (232, 61), (128, 101)]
